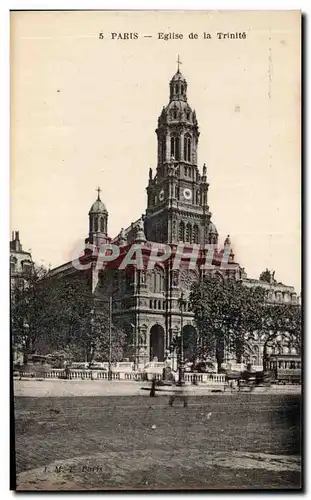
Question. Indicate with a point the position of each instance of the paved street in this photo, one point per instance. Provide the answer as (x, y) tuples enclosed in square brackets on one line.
[(55, 388), (233, 441)]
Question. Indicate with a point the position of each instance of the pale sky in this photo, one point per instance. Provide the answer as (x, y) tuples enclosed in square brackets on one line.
[(84, 113)]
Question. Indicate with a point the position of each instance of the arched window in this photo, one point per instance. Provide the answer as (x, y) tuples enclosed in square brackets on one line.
[(163, 150), (175, 147), (182, 89), (181, 231), (96, 225), (188, 115), (102, 225), (177, 192), (187, 148), (188, 233), (13, 264), (186, 171), (176, 89), (198, 198), (195, 234), (150, 304)]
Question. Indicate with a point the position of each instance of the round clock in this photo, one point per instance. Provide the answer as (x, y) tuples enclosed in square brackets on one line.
[(161, 195), (187, 194)]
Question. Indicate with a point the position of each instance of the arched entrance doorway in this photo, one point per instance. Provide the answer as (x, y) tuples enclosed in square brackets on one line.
[(157, 343), (189, 342)]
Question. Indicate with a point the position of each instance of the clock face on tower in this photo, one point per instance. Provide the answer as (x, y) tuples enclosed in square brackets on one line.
[(161, 195), (187, 193)]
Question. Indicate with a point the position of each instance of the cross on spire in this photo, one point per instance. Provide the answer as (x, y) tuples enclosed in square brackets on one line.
[(98, 191), (178, 62)]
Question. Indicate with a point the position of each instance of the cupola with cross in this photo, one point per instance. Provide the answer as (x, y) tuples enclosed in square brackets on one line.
[(98, 222), (177, 192)]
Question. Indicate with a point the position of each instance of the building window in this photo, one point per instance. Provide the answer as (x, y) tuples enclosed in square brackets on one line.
[(27, 269), (198, 198), (175, 147), (181, 231), (186, 171), (195, 234), (187, 148), (176, 89), (95, 225), (188, 233), (102, 225), (182, 89), (150, 304), (163, 150)]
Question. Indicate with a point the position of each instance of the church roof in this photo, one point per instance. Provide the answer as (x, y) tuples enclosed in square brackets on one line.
[(178, 77), (212, 228), (98, 206)]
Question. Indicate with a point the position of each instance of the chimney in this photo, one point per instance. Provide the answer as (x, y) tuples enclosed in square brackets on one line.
[(17, 235)]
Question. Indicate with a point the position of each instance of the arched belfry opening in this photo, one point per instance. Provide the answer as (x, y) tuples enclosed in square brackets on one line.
[(157, 343)]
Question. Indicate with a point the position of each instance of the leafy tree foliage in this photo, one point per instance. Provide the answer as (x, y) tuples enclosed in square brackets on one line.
[(62, 315), (230, 315), (29, 316), (281, 324), (224, 311)]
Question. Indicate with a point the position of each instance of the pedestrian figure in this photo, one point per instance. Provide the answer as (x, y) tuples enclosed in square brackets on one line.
[(67, 372), (153, 388)]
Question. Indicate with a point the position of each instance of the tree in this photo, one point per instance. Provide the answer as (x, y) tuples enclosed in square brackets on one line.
[(281, 324), (224, 311), (28, 314), (105, 343), (62, 315)]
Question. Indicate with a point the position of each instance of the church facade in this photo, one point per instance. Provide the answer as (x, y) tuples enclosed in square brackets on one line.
[(154, 303)]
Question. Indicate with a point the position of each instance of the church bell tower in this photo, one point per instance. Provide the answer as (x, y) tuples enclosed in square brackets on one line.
[(177, 209)]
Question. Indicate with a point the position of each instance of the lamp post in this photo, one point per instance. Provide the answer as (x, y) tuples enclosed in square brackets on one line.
[(182, 303), (109, 333), (110, 329), (176, 332), (135, 344)]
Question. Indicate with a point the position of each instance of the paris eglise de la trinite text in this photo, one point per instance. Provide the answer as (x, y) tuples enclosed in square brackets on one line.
[(238, 35)]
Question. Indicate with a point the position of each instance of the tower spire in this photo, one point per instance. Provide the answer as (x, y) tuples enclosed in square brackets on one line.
[(98, 193), (178, 63)]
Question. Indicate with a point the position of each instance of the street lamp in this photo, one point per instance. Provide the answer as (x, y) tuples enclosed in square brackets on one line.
[(181, 302), (110, 333), (135, 335)]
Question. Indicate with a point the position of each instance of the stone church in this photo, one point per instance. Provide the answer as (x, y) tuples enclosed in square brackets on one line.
[(153, 303)]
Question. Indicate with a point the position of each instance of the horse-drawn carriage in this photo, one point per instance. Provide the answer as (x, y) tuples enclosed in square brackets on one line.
[(248, 379)]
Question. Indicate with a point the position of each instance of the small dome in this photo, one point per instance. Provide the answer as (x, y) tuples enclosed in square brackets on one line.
[(212, 228), (178, 77), (98, 206)]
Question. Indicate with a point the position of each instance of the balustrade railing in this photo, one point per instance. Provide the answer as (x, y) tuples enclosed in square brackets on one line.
[(190, 378)]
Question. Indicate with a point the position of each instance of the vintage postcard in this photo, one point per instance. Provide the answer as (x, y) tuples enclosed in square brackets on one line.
[(155, 250)]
